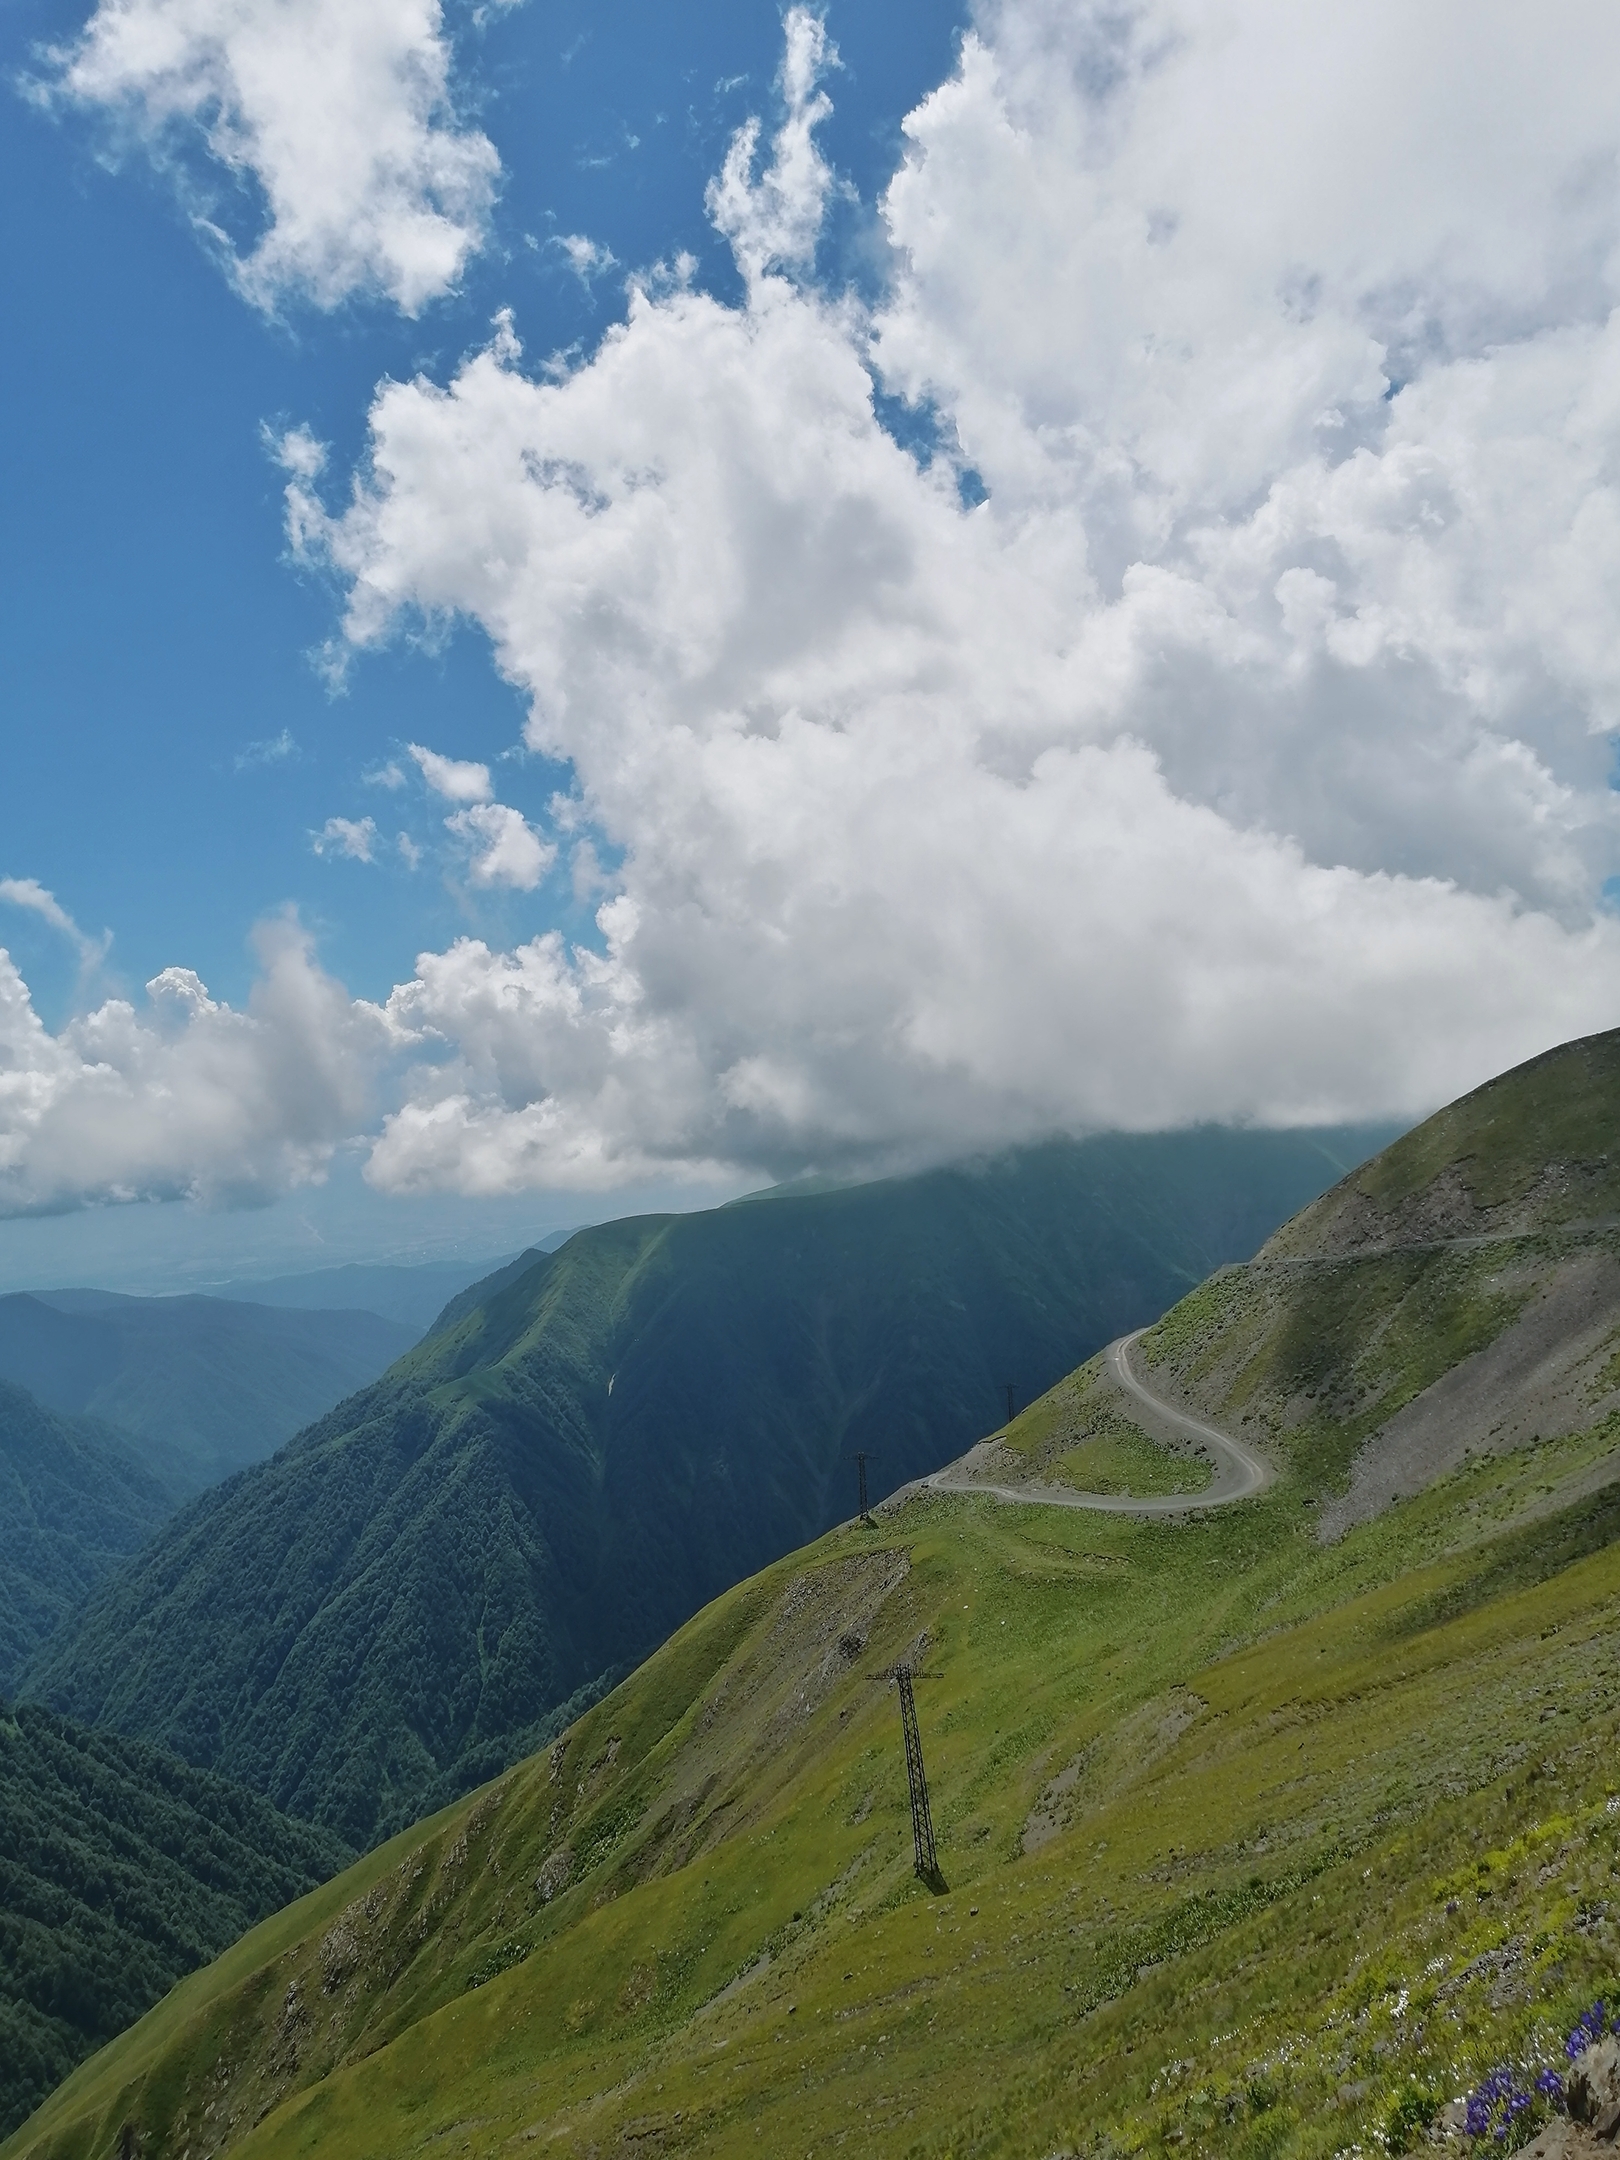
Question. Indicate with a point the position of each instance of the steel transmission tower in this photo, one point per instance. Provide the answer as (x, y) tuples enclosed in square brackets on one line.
[(860, 1459), (922, 1821)]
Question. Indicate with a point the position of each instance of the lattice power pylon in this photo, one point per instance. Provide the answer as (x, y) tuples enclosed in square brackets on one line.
[(922, 1820), (860, 1458)]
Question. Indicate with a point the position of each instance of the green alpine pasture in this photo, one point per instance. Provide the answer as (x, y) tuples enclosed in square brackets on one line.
[(1256, 1843), (1247, 1841), (1080, 1434)]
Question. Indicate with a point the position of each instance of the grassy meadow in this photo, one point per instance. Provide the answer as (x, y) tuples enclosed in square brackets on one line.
[(1247, 1841), (1254, 1845)]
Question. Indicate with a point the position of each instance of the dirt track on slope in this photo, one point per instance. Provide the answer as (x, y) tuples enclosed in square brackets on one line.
[(1238, 1471)]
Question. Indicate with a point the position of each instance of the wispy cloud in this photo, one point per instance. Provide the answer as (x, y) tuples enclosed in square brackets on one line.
[(588, 259), (353, 837), (30, 894), (273, 750)]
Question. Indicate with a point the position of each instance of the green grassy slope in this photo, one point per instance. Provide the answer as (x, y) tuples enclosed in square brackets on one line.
[(202, 1385), (1537, 1149), (401, 1600), (73, 1504), (1243, 1837), (1255, 1843), (1472, 1271), (120, 1869)]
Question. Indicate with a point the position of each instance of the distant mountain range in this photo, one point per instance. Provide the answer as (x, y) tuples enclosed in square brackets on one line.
[(120, 1869), (199, 1386), (413, 1295), (600, 1440)]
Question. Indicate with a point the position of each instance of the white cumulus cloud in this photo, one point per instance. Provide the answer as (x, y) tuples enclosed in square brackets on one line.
[(1219, 724), (353, 837), (506, 849), (183, 1096), (340, 114), (1243, 753), (456, 779)]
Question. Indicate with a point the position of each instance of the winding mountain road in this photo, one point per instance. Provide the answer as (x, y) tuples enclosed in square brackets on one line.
[(1238, 1472)]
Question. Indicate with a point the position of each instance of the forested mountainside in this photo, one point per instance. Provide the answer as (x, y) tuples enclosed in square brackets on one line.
[(73, 1503), (121, 1868), (400, 1601), (201, 1385), (1259, 1838)]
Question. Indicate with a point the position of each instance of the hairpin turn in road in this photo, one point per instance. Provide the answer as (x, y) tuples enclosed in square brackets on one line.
[(1238, 1471)]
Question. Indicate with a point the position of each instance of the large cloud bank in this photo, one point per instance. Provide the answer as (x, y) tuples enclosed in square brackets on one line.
[(338, 111), (182, 1097), (1218, 725)]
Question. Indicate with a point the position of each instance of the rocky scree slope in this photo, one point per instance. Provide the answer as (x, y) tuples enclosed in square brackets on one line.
[(417, 1588), (1457, 1296)]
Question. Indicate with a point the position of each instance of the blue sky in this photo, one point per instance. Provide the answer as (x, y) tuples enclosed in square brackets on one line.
[(169, 743), (605, 605), (156, 655)]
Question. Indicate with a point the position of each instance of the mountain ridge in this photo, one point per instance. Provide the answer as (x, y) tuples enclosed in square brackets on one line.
[(547, 1484)]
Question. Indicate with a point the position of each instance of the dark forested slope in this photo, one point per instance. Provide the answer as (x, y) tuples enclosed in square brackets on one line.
[(204, 1385), (559, 1475), (120, 1869), (73, 1502)]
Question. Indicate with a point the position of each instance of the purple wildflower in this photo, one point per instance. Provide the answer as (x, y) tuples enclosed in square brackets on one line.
[(1589, 2026), (1495, 2105)]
